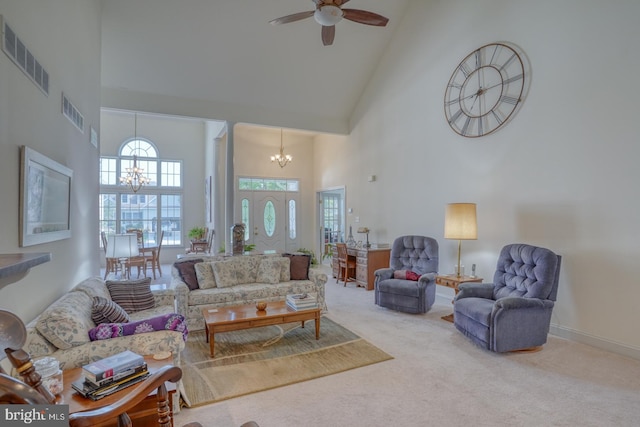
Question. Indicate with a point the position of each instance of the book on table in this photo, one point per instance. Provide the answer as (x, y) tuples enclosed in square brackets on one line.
[(95, 392), (302, 301), (117, 365)]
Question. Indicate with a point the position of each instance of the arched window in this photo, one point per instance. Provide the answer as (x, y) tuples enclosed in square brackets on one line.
[(155, 207)]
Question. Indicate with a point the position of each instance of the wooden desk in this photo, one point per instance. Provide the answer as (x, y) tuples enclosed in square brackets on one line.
[(453, 281), (367, 262), (144, 415)]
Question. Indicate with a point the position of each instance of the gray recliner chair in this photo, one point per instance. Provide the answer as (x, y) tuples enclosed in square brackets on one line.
[(417, 254), (513, 312)]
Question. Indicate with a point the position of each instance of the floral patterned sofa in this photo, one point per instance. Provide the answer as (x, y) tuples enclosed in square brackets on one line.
[(203, 282), (62, 329)]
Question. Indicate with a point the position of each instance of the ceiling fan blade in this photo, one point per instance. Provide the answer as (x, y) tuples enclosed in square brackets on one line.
[(328, 34), (340, 2), (365, 17), (292, 18)]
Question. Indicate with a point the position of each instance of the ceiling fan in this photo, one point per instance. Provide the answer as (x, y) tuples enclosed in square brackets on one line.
[(328, 13)]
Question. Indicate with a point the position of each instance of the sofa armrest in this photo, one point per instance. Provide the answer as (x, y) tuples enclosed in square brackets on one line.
[(181, 291), (475, 290), (319, 278)]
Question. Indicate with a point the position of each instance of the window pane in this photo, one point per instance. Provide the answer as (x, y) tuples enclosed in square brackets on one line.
[(139, 212), (107, 214), (292, 219), (269, 218), (244, 183), (171, 174), (293, 185), (140, 148), (108, 171), (149, 169), (245, 218), (171, 213)]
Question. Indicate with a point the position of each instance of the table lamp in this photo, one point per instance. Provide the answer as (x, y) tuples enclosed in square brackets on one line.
[(460, 223), (122, 247), (365, 230)]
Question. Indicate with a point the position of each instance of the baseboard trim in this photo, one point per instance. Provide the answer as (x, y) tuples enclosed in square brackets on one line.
[(594, 341), (574, 335)]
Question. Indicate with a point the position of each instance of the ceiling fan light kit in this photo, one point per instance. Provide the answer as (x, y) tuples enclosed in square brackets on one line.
[(328, 13)]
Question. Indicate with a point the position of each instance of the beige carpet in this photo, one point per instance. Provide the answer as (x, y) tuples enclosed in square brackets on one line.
[(265, 358)]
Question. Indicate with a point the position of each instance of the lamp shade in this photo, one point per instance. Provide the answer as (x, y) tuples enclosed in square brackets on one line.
[(122, 246), (460, 221)]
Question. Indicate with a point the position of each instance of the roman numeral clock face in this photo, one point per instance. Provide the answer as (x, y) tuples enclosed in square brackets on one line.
[(484, 90)]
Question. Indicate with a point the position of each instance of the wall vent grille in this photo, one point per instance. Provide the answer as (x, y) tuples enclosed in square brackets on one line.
[(72, 113), (23, 58)]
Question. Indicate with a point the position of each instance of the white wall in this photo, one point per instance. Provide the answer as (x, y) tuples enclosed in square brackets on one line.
[(65, 38), (562, 174)]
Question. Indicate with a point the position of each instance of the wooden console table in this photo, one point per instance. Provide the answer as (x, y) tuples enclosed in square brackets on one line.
[(368, 260), (453, 281), (145, 414)]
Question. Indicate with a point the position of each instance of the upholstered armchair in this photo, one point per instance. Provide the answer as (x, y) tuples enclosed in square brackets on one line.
[(513, 312), (408, 284)]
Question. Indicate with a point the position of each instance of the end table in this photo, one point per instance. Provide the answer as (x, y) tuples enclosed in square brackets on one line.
[(453, 281)]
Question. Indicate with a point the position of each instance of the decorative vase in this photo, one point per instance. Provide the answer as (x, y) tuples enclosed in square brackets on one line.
[(237, 239)]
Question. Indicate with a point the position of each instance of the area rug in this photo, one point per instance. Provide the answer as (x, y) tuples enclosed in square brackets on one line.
[(263, 358)]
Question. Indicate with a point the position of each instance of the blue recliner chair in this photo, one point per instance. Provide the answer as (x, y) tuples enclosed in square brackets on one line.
[(513, 312), (416, 254)]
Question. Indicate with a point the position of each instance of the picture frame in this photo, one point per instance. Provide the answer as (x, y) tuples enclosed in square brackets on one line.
[(45, 195)]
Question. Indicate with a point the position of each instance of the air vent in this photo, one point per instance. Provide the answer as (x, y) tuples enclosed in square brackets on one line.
[(23, 58), (72, 113)]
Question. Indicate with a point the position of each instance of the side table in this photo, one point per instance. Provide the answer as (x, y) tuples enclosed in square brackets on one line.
[(453, 281), (146, 412)]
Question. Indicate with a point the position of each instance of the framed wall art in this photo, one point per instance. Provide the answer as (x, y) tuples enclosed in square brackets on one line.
[(45, 193)]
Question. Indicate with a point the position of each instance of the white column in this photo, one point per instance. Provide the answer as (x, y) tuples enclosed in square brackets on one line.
[(229, 190)]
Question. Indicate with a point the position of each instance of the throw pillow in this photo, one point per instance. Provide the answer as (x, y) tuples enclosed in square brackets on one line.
[(204, 273), (412, 275), (187, 272), (285, 268), (406, 275), (400, 274), (269, 270), (132, 295), (165, 322), (225, 274), (106, 311), (300, 264)]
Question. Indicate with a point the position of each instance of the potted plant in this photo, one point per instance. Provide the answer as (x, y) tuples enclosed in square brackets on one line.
[(197, 233)]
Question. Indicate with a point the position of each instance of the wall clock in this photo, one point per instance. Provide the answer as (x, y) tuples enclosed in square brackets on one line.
[(484, 90)]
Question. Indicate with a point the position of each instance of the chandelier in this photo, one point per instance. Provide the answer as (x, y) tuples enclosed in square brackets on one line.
[(281, 158), (134, 178)]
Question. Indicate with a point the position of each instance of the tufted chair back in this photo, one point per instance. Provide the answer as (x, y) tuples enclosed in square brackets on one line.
[(526, 271), (415, 253)]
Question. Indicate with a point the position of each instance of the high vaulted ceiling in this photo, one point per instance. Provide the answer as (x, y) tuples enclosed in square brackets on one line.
[(221, 59)]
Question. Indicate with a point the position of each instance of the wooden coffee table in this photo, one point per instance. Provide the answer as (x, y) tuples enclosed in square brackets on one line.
[(235, 318)]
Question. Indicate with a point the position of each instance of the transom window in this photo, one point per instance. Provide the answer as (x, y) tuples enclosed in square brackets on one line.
[(155, 207)]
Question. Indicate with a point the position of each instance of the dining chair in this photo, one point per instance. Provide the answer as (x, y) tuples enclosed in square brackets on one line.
[(346, 264), (155, 256)]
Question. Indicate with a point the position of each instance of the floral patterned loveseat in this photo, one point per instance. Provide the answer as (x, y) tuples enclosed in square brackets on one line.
[(62, 329), (208, 282)]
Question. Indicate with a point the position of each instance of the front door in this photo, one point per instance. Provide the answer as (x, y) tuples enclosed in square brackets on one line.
[(270, 218)]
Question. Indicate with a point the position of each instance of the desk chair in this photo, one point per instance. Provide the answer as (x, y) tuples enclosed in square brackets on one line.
[(346, 264)]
